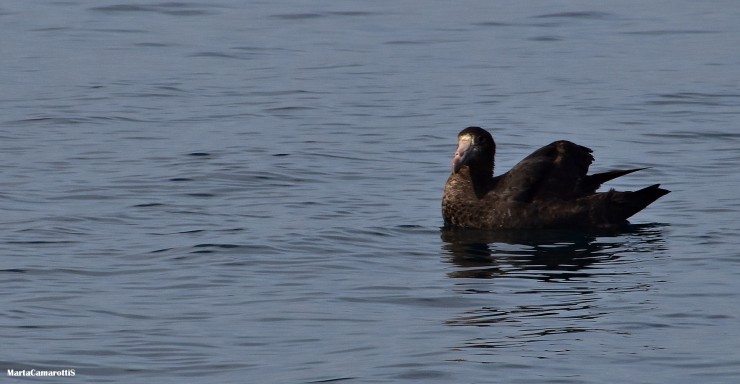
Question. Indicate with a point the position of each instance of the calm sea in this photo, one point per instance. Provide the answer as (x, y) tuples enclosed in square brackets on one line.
[(249, 192)]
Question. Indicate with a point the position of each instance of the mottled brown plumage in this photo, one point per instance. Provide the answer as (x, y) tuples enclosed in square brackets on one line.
[(548, 189)]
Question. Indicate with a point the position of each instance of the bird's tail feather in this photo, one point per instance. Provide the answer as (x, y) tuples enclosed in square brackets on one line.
[(633, 202), (595, 180)]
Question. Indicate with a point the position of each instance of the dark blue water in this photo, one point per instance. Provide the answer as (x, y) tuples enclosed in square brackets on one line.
[(231, 192)]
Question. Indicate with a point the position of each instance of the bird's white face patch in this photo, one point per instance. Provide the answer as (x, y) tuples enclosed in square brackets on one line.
[(463, 144), (467, 137)]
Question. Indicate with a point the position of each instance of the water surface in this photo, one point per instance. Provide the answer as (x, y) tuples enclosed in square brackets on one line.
[(227, 192)]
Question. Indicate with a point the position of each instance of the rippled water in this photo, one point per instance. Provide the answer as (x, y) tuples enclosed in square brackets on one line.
[(230, 192)]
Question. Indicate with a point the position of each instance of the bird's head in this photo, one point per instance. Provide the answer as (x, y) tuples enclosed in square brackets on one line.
[(475, 149)]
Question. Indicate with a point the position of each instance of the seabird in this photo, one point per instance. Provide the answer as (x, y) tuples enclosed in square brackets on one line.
[(548, 189)]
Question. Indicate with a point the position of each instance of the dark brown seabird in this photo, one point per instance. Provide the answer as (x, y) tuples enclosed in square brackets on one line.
[(548, 189)]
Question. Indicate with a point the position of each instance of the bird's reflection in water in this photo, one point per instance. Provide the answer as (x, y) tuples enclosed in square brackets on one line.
[(544, 282), (543, 254)]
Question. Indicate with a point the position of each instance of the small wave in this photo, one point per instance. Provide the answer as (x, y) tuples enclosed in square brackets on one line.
[(298, 16), (317, 15), (664, 32), (55, 120), (148, 205), (594, 15), (216, 55), (545, 38), (492, 24), (169, 8), (697, 98)]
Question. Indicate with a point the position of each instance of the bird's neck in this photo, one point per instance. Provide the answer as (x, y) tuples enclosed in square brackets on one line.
[(481, 179)]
